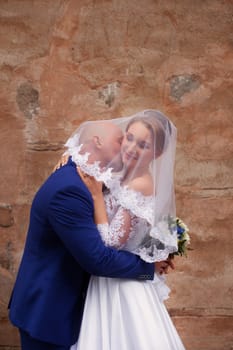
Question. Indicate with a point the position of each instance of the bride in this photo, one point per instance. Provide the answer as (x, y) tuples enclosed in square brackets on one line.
[(131, 214)]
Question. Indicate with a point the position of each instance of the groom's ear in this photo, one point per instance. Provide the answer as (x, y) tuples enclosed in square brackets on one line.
[(97, 141)]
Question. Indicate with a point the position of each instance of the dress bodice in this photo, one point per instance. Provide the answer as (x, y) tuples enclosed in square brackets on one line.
[(125, 229), (131, 225), (130, 216)]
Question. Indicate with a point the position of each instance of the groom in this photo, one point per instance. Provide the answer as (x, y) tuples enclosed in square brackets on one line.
[(62, 249)]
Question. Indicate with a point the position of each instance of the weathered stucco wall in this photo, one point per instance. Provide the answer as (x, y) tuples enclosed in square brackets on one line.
[(65, 61)]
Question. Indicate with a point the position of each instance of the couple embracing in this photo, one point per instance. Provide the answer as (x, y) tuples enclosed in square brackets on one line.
[(92, 271)]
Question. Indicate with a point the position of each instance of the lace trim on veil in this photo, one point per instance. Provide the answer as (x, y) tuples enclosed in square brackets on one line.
[(141, 206), (92, 169)]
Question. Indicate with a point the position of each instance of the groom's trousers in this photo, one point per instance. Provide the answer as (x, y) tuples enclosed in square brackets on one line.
[(29, 343)]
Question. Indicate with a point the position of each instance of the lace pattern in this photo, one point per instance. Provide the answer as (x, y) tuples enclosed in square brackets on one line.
[(117, 233), (138, 239), (141, 239), (111, 234), (94, 169), (140, 205)]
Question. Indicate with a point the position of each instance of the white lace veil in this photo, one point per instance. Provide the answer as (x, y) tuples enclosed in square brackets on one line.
[(148, 155)]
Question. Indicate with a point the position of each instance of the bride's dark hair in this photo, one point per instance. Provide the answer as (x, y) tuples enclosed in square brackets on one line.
[(157, 124)]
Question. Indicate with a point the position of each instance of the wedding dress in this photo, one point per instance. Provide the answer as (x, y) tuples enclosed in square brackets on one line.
[(122, 314), (127, 314)]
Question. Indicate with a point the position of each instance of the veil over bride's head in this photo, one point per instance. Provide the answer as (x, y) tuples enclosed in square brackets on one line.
[(144, 162)]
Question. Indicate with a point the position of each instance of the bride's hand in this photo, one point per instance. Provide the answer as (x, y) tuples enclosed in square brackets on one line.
[(94, 186), (62, 161)]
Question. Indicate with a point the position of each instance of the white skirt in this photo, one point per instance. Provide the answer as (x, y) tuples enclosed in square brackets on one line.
[(127, 315)]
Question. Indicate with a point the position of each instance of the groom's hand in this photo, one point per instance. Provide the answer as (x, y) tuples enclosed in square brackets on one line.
[(62, 161), (170, 262), (163, 266)]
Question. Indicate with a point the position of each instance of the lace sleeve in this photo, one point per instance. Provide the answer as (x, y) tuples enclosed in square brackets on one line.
[(117, 232)]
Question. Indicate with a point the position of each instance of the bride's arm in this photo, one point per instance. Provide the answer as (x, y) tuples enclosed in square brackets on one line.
[(116, 232), (95, 187)]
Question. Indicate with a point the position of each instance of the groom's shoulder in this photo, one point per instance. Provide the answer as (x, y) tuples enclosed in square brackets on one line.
[(67, 175), (64, 185), (62, 179)]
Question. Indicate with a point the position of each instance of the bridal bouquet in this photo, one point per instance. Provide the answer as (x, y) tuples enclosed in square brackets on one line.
[(183, 237), (170, 236)]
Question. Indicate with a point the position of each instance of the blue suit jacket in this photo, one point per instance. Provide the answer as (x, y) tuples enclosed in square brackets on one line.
[(63, 247)]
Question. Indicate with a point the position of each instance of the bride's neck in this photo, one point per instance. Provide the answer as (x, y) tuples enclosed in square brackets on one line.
[(129, 175)]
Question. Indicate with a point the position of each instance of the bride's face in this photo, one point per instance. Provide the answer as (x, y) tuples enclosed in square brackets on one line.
[(137, 147)]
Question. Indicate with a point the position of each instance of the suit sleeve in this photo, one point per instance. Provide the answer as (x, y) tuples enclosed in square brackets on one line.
[(71, 217)]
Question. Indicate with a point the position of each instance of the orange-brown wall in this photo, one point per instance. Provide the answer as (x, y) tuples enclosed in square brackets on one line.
[(66, 61)]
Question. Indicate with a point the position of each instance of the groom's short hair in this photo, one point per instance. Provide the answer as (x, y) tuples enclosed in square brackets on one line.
[(99, 129)]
